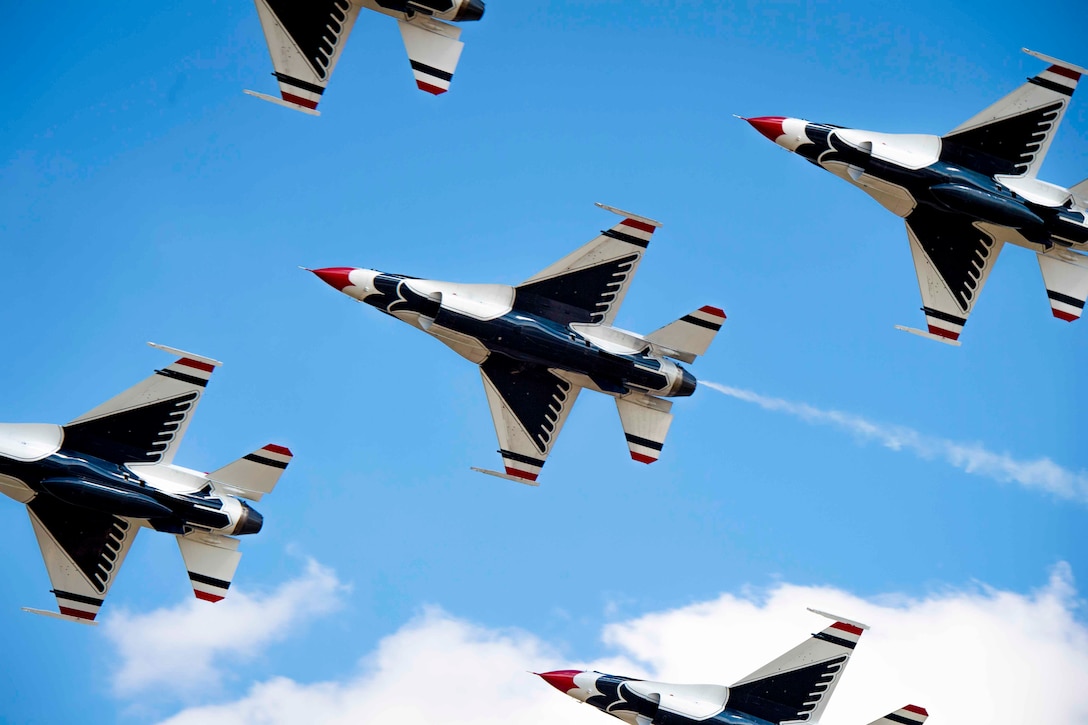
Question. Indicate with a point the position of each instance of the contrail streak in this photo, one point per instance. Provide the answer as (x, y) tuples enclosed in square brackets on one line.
[(1040, 474)]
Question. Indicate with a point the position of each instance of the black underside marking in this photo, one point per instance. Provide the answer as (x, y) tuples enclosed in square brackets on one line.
[(715, 326), (534, 395), (629, 238), (944, 316), (138, 435), (958, 250), (265, 461), (299, 83), (315, 26), (646, 442), (431, 70), (209, 580), (1005, 146), (835, 640), (519, 458), (900, 719), (93, 601), (584, 295), (1051, 85), (191, 379), (92, 539), (1065, 299), (788, 695)]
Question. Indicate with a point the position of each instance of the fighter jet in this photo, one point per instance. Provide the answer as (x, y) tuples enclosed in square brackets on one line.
[(306, 39), (91, 484), (967, 193), (794, 688), (539, 343)]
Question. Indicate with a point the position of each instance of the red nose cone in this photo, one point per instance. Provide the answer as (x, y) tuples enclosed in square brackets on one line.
[(769, 126), (562, 680), (335, 276)]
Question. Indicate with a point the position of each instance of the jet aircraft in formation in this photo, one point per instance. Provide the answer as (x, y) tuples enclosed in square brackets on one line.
[(91, 484), (306, 39), (539, 343), (967, 193), (794, 688)]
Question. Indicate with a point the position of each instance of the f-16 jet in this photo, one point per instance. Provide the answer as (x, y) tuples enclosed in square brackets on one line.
[(794, 688), (540, 343), (967, 193), (306, 39), (90, 485)]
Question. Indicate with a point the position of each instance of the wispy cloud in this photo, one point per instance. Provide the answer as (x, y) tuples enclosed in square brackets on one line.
[(184, 648), (1041, 473)]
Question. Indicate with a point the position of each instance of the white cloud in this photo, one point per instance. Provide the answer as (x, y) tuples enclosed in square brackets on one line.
[(1042, 473), (970, 656), (185, 647)]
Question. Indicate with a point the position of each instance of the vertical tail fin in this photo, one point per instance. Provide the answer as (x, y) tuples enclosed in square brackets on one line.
[(256, 474), (798, 685), (909, 715), (691, 335)]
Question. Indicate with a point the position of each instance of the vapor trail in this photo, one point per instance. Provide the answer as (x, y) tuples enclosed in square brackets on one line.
[(1040, 474)]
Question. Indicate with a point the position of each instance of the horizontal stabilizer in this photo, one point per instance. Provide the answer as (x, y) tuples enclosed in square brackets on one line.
[(507, 476), (256, 474), (909, 715), (433, 50), (646, 422), (1080, 194), (211, 562), (1065, 275), (797, 686), (691, 335)]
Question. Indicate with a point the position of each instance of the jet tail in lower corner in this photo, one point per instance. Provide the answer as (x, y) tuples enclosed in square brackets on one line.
[(1065, 275), (646, 422), (256, 474), (211, 561), (909, 715), (798, 685), (691, 335)]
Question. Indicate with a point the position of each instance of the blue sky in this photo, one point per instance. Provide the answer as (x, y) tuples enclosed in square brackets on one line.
[(144, 197)]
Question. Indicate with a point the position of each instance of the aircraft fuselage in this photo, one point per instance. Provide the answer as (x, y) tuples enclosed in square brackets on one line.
[(945, 182), (88, 482), (528, 338)]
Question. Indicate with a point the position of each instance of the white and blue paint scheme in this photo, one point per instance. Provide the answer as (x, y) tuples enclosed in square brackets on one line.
[(307, 38), (539, 343), (967, 193), (91, 484), (794, 688)]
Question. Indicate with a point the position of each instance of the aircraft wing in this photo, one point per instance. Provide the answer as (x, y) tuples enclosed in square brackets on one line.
[(144, 424), (952, 257), (589, 284), (305, 40), (83, 551), (1013, 135), (529, 405)]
